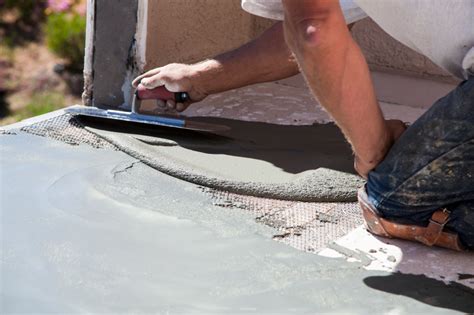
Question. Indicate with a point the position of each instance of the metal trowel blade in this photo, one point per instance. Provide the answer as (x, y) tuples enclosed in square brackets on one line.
[(162, 121)]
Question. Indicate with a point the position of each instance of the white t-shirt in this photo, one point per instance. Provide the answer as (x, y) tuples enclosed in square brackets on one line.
[(442, 30), (273, 9)]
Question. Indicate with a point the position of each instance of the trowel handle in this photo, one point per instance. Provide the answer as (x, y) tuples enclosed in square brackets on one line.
[(160, 93)]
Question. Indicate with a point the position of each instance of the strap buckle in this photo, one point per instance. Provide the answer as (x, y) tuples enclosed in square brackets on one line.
[(435, 227), (440, 217)]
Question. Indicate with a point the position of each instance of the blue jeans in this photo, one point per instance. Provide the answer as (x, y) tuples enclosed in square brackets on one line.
[(431, 167)]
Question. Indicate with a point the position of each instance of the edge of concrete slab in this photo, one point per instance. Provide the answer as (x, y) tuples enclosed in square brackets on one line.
[(33, 120)]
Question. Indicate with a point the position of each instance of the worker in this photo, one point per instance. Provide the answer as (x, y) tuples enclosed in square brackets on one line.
[(420, 180), (268, 57)]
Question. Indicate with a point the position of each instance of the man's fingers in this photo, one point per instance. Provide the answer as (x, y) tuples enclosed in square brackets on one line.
[(396, 127), (175, 78), (147, 74), (136, 82), (360, 168), (161, 103), (180, 107), (152, 82), (171, 104)]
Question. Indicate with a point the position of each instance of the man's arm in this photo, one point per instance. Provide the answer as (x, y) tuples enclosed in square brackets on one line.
[(338, 75), (266, 58)]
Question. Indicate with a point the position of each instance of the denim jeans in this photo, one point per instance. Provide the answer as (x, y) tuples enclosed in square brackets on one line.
[(431, 167)]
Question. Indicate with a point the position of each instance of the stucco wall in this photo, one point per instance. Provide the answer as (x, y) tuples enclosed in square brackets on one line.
[(190, 30), (383, 53)]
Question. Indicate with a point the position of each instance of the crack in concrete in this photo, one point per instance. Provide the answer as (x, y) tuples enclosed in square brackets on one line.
[(116, 171)]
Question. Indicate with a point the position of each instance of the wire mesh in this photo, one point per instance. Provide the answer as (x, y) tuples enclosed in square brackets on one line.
[(307, 226), (68, 129)]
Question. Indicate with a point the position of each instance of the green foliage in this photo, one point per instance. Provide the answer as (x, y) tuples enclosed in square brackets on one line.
[(41, 103), (65, 36)]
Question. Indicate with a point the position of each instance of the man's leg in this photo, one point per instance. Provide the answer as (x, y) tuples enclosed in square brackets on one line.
[(432, 167)]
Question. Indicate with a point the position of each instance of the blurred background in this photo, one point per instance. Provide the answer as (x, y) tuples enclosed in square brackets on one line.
[(41, 56)]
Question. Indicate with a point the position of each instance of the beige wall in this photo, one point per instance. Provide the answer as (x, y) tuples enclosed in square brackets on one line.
[(386, 54), (191, 30)]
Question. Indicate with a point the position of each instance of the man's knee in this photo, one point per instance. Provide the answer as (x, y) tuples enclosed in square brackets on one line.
[(380, 187), (392, 201)]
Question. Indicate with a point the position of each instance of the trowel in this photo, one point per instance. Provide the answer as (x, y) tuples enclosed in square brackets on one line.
[(142, 93)]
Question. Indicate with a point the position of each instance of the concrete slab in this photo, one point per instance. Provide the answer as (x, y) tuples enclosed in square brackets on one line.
[(94, 231)]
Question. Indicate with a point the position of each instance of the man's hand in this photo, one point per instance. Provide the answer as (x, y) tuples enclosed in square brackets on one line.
[(266, 58), (395, 129), (175, 77)]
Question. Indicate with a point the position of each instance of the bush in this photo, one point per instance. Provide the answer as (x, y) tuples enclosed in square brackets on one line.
[(65, 36)]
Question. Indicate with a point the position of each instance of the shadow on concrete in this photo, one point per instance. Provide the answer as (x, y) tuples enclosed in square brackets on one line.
[(430, 291), (294, 149)]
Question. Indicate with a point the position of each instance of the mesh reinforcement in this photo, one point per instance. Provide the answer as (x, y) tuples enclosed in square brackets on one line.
[(68, 129), (307, 226)]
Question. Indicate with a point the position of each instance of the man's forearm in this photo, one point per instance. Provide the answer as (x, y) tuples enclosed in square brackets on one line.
[(264, 59), (337, 73)]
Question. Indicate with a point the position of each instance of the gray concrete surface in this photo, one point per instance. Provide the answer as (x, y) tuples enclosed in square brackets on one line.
[(88, 230)]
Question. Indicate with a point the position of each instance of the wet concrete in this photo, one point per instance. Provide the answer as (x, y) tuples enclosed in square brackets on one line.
[(302, 163), (87, 230)]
